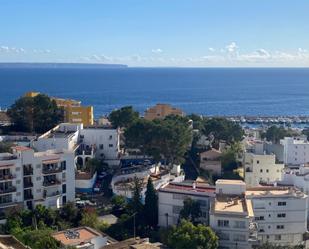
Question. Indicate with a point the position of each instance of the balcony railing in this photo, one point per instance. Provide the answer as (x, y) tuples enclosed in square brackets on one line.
[(51, 183), (53, 194), (52, 170), (6, 203), (7, 177), (8, 190), (28, 172), (28, 184), (28, 197)]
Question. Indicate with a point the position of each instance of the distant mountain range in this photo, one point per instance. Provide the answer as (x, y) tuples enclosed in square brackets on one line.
[(60, 65)]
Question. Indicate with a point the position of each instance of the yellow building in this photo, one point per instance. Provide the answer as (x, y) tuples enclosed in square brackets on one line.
[(74, 112), (160, 111)]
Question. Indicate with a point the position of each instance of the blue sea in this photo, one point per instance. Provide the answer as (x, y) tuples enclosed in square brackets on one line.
[(208, 91)]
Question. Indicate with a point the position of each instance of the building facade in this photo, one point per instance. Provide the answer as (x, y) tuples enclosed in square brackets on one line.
[(160, 111), (295, 151), (261, 169), (171, 198), (232, 216), (29, 178), (281, 214), (74, 112)]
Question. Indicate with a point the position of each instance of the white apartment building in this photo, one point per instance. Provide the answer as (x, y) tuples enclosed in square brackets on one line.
[(123, 183), (171, 198), (261, 169), (298, 178), (295, 150), (281, 214), (29, 178), (231, 216), (99, 142)]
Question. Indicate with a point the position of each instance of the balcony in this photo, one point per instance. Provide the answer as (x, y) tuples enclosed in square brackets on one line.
[(7, 177), (7, 190), (52, 194), (4, 204), (48, 183), (51, 170), (28, 172), (28, 184), (28, 196)]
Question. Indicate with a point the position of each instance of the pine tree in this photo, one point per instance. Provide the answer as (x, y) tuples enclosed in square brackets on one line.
[(151, 205)]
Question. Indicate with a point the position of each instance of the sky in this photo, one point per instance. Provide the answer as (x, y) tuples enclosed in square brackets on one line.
[(184, 33)]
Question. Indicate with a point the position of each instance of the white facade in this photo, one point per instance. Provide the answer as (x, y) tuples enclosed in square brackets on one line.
[(281, 214), (295, 150), (123, 183), (105, 140), (261, 169), (171, 198), (231, 216), (100, 142), (29, 178)]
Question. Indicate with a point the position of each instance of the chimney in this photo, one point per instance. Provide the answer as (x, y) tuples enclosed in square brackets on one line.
[(194, 185)]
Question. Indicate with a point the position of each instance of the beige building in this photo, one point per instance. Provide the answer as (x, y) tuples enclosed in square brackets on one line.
[(160, 111), (210, 161), (74, 112), (261, 169), (231, 216)]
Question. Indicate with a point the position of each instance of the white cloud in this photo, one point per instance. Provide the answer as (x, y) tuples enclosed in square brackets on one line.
[(232, 47), (157, 51), (211, 49)]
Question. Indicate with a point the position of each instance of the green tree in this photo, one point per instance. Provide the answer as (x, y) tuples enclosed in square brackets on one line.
[(275, 133), (37, 114), (151, 205), (191, 210), (135, 204), (90, 218), (187, 235), (223, 129), (123, 117), (6, 147), (93, 165), (118, 202)]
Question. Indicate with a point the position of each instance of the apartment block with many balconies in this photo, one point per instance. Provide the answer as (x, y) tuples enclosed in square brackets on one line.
[(29, 178)]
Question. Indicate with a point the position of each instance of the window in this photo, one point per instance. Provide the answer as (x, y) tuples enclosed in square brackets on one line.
[(259, 218), (261, 170), (283, 215), (239, 237), (281, 203), (110, 145), (257, 162), (267, 171), (223, 223), (64, 188), (240, 224), (277, 237), (110, 137), (177, 209), (101, 146), (280, 227), (178, 196), (63, 165), (202, 203), (224, 236)]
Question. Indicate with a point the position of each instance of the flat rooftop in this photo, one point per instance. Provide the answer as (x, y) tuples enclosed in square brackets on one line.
[(134, 243), (233, 205), (194, 188), (76, 236), (274, 191), (226, 181)]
